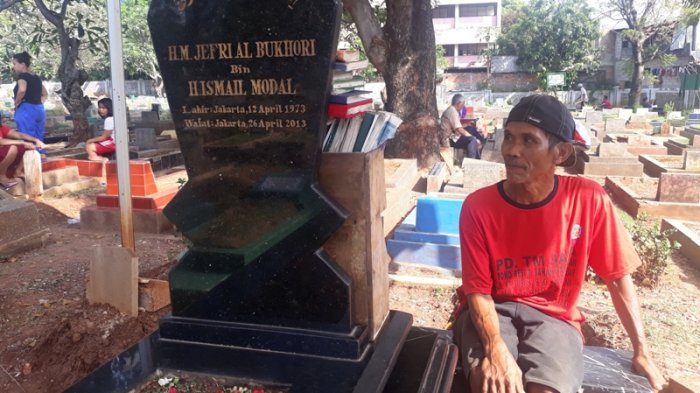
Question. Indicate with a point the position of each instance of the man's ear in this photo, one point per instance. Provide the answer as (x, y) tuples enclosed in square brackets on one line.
[(564, 151)]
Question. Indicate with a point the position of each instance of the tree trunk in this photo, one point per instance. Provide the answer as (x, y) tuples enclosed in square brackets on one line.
[(404, 54), (72, 96), (71, 76), (410, 80), (637, 73)]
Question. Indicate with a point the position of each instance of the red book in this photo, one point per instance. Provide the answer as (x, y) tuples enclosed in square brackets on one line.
[(343, 111)]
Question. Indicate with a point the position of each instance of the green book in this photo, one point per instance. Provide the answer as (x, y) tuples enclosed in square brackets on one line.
[(366, 125)]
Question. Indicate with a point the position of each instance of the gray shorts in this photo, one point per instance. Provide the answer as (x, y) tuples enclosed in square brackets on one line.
[(548, 350)]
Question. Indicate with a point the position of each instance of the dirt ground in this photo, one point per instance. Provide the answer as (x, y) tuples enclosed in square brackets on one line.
[(50, 337)]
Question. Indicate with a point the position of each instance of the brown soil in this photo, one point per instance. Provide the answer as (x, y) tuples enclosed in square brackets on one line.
[(51, 337), (643, 187), (670, 161)]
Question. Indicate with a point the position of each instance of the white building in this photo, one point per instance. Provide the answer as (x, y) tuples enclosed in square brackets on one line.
[(465, 28)]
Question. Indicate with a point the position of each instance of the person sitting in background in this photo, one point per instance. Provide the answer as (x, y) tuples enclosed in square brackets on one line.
[(475, 130), (452, 129), (13, 144), (606, 104), (103, 144)]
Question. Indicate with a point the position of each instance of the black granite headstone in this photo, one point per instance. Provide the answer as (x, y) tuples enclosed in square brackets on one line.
[(247, 83), (256, 298)]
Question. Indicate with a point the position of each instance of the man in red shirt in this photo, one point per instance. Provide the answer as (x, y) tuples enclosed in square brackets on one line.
[(526, 242)]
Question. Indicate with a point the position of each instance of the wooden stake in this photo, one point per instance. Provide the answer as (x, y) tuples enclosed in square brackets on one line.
[(33, 184)]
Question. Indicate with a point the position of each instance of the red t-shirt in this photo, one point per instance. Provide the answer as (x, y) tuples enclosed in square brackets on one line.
[(4, 131), (537, 254)]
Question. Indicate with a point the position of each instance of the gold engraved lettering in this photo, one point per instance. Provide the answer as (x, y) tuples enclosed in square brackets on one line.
[(272, 87), (214, 51), (178, 52), (239, 69), (286, 48), (197, 123), (243, 51), (216, 88)]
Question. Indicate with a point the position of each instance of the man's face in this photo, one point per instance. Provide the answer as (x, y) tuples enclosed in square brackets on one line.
[(526, 153)]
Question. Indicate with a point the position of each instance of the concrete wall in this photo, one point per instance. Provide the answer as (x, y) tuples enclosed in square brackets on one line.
[(470, 81)]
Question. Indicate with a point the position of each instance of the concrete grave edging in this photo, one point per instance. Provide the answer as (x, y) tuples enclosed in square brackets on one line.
[(689, 241)]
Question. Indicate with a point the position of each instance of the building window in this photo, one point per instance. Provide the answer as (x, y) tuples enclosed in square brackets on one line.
[(625, 44), (444, 11), (468, 10), (471, 49), (449, 50)]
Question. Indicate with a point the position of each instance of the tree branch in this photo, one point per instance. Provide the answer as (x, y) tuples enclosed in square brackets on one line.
[(5, 4), (370, 32), (51, 16)]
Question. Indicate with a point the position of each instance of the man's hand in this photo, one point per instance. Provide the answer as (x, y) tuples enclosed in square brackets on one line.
[(40, 144), (626, 304), (498, 373), (645, 366), (29, 146)]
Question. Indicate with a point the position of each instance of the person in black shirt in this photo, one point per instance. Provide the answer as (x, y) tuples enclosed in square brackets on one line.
[(30, 95)]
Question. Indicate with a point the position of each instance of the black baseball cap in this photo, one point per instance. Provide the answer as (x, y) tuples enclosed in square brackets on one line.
[(548, 114)]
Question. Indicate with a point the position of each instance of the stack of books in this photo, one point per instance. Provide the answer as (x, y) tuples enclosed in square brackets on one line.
[(347, 99), (360, 134), (349, 104)]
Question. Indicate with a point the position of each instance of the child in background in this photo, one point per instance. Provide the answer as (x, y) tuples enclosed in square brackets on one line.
[(103, 144)]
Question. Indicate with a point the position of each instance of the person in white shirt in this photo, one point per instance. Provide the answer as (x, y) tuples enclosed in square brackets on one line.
[(103, 144), (582, 97)]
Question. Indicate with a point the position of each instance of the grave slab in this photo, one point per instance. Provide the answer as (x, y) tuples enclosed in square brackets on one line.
[(615, 125), (631, 203), (438, 215), (677, 147), (612, 149), (480, 173), (691, 160), (608, 166), (679, 187), (688, 239), (593, 117), (21, 230), (436, 177), (413, 247), (145, 138)]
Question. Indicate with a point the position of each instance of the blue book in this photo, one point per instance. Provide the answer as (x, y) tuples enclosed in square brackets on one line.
[(348, 97)]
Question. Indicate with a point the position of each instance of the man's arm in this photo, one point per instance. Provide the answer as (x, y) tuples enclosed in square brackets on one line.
[(14, 134), (498, 371), (44, 93), (21, 91), (624, 299)]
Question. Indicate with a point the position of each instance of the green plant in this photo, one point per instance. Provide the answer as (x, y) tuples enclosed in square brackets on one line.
[(668, 107), (180, 182), (653, 246)]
